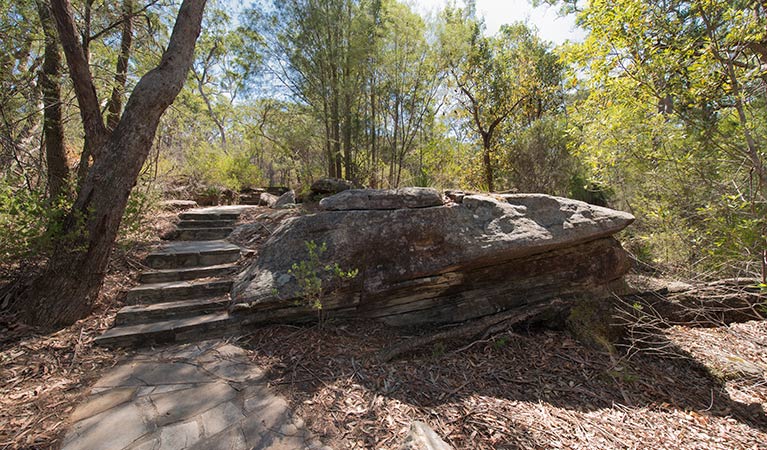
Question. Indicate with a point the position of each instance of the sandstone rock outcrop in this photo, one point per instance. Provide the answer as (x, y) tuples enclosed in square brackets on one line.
[(253, 196), (285, 200), (329, 186), (177, 205), (266, 199), (429, 262), (363, 199)]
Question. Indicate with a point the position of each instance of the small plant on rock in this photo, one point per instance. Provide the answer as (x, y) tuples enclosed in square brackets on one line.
[(308, 274)]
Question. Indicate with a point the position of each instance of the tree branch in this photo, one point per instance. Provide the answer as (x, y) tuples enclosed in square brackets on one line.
[(93, 124)]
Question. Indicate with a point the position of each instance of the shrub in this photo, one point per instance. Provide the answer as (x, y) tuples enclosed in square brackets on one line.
[(28, 223), (309, 276), (231, 169)]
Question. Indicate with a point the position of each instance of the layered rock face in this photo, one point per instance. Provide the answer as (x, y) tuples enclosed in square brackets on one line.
[(425, 260)]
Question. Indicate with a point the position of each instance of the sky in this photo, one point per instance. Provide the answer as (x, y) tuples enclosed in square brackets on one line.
[(550, 26)]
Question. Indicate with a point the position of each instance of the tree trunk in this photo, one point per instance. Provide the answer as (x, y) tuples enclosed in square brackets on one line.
[(348, 160), (69, 286), (85, 91), (328, 147), (487, 162), (53, 127), (373, 137), (114, 108), (336, 135)]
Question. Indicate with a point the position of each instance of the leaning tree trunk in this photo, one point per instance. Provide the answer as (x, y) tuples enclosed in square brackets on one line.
[(69, 286)]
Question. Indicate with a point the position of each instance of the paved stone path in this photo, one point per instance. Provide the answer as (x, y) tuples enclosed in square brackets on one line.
[(202, 396)]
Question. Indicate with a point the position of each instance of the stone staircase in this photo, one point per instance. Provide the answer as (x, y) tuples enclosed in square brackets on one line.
[(185, 293)]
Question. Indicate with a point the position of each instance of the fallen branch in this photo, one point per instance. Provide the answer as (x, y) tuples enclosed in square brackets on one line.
[(714, 304), (482, 328), (644, 317)]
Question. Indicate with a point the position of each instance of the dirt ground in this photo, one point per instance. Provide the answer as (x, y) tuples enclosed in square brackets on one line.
[(43, 376), (526, 389)]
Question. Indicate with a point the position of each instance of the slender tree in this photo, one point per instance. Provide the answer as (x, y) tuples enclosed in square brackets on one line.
[(494, 76), (50, 85), (114, 107)]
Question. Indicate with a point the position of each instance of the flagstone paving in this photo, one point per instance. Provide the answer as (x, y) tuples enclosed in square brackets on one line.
[(205, 395)]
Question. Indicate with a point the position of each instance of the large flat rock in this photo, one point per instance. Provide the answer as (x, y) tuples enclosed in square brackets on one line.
[(439, 264), (365, 199)]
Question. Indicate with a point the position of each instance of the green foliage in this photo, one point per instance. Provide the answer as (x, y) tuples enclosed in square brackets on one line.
[(214, 167), (580, 188), (311, 272), (505, 84), (501, 342), (30, 226), (143, 203), (438, 350), (534, 156), (672, 123), (591, 321), (663, 113)]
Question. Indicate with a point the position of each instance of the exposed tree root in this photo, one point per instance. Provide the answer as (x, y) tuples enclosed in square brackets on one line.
[(637, 317), (478, 329)]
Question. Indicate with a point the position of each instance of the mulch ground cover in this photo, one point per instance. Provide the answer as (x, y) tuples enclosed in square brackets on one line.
[(524, 389)]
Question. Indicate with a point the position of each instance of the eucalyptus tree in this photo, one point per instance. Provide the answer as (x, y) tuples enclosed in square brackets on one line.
[(319, 50), (50, 86), (220, 70), (533, 153), (410, 77), (67, 289), (19, 95), (495, 77), (677, 90)]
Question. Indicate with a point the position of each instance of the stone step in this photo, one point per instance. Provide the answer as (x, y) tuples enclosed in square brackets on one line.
[(177, 330), (137, 314), (185, 254), (177, 290), (164, 276), (205, 223), (199, 215), (201, 234)]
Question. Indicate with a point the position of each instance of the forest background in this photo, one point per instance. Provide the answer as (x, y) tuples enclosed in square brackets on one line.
[(659, 111)]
